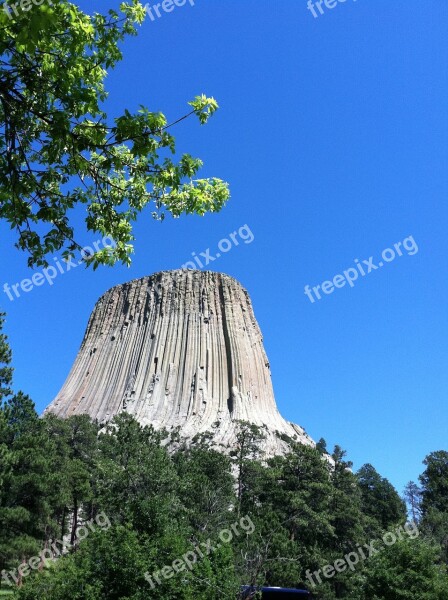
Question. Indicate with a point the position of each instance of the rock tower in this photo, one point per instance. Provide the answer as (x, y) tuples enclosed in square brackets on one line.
[(179, 349)]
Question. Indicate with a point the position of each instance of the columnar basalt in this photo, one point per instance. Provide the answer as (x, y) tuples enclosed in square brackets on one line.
[(179, 349)]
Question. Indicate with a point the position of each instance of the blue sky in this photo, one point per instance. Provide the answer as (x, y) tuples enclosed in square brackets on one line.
[(333, 134)]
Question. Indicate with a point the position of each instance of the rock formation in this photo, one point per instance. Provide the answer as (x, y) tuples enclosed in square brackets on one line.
[(179, 349)]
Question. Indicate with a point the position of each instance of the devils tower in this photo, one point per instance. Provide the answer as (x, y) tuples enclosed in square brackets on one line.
[(178, 349)]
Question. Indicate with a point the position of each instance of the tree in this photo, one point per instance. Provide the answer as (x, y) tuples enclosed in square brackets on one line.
[(413, 499), (25, 471), (434, 482), (380, 500), (24, 502), (205, 488), (346, 517), (291, 512), (322, 446), (111, 565), (409, 569), (246, 451), (136, 480), (79, 472), (59, 149), (434, 499), (5, 361)]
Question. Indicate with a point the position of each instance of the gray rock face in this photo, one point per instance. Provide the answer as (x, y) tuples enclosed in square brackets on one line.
[(178, 349)]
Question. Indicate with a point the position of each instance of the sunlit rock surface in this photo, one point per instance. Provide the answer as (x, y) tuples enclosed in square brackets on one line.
[(179, 349)]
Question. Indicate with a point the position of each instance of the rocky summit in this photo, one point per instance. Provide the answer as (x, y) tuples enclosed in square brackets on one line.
[(178, 350)]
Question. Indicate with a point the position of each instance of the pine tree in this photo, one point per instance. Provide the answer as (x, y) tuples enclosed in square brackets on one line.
[(434, 482), (380, 501), (408, 569), (413, 499), (5, 361), (246, 451), (434, 499)]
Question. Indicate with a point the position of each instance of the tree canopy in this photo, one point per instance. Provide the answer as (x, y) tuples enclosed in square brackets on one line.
[(59, 148)]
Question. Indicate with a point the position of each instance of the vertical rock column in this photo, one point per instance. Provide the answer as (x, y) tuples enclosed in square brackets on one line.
[(176, 349)]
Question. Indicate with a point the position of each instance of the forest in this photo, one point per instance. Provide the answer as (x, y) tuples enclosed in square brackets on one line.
[(124, 512)]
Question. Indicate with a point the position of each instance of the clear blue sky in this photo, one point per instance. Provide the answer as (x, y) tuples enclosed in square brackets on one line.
[(333, 133)]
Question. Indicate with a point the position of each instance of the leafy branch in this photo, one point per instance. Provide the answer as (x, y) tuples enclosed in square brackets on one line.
[(59, 149)]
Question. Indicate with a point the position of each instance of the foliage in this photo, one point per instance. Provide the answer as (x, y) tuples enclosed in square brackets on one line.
[(407, 570), (434, 499), (413, 498), (59, 149), (5, 361), (162, 502), (380, 500), (434, 482)]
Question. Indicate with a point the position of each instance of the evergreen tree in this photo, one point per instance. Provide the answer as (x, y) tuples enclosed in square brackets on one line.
[(380, 501), (5, 362), (292, 516), (347, 519), (246, 451), (24, 467), (413, 499), (321, 446), (136, 480), (407, 570), (206, 487), (434, 499), (25, 494), (434, 481)]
